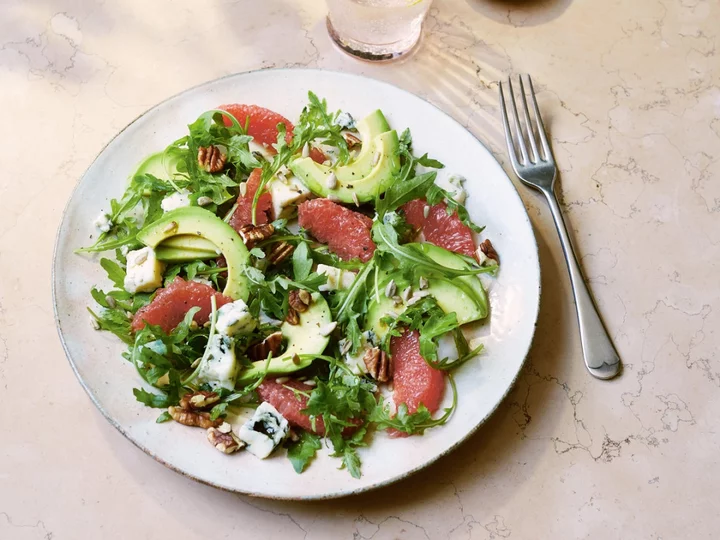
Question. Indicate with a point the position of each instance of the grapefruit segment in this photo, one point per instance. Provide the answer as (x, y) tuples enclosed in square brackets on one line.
[(261, 123), (346, 233), (414, 381), (243, 212), (290, 405), (439, 228), (169, 306)]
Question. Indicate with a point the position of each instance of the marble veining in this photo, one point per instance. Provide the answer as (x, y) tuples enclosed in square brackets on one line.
[(631, 94)]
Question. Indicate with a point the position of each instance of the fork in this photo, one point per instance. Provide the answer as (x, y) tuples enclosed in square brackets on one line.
[(538, 170)]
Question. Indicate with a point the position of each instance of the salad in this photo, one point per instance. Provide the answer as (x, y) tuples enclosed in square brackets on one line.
[(285, 285)]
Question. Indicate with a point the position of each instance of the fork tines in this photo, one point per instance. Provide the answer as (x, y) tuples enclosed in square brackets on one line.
[(526, 133)]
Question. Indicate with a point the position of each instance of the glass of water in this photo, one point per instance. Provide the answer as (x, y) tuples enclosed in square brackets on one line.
[(376, 29)]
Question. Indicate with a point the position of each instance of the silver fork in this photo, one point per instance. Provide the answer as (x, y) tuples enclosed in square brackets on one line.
[(538, 170)]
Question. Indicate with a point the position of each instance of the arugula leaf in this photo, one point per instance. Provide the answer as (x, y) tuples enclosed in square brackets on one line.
[(446, 364), (114, 321), (156, 355), (432, 323), (437, 325), (321, 255), (302, 451), (311, 283), (426, 161), (239, 153), (271, 296), (343, 401), (322, 125), (301, 261), (209, 129), (218, 410), (347, 305), (164, 417), (145, 191), (403, 420), (405, 141), (386, 240), (407, 186), (351, 461), (180, 333), (461, 343), (401, 192), (354, 333), (114, 272), (315, 123), (100, 297), (257, 253), (157, 401), (412, 423), (436, 194), (192, 270)]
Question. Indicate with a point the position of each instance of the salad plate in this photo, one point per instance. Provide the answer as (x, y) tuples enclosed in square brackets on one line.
[(139, 371)]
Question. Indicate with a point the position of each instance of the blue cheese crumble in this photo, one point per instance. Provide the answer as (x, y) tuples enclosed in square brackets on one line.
[(264, 431)]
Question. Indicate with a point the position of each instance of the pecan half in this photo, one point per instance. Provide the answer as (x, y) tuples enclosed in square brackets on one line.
[(197, 401), (378, 364), (224, 440), (487, 248), (280, 252), (269, 345), (193, 418), (300, 300), (253, 234), (211, 158), (351, 140), (293, 317)]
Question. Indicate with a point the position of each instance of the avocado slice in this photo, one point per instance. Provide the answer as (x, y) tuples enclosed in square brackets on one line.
[(303, 338), (451, 296), (174, 254), (164, 164), (190, 242), (371, 173), (186, 247), (453, 260), (369, 127), (193, 220)]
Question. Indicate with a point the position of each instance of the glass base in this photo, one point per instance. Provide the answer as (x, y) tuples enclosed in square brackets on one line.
[(370, 52)]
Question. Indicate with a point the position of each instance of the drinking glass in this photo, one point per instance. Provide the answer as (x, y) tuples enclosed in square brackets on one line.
[(376, 29)]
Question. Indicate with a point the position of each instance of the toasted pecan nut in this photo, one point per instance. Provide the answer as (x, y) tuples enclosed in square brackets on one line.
[(253, 234), (300, 300), (211, 158), (193, 418), (280, 252), (351, 140), (224, 439), (378, 364), (269, 345), (487, 248), (293, 317), (197, 401)]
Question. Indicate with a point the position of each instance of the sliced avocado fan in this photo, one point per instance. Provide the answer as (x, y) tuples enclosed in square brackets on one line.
[(371, 173), (192, 220)]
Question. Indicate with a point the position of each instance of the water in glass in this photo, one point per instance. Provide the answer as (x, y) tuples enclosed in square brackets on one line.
[(376, 29)]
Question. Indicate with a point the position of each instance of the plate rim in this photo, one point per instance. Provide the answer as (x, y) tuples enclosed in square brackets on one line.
[(326, 496)]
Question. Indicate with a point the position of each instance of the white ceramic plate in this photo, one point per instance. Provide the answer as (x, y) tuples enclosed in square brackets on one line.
[(482, 384)]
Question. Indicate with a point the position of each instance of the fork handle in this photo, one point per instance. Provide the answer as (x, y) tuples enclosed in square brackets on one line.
[(600, 356)]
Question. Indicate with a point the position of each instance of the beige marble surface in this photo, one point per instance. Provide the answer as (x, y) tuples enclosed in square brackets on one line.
[(632, 94)]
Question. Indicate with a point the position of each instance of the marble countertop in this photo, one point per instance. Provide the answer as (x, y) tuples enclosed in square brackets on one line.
[(631, 91)]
